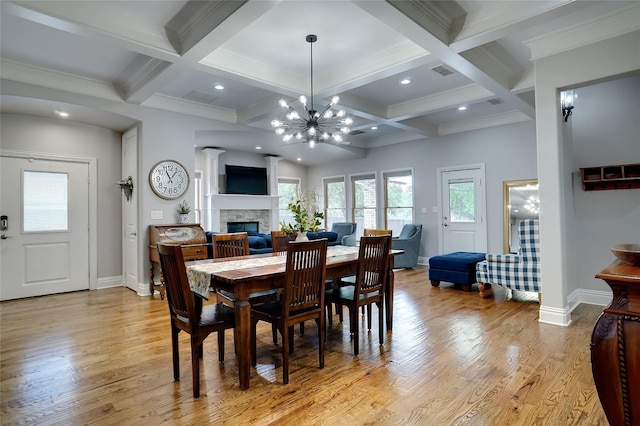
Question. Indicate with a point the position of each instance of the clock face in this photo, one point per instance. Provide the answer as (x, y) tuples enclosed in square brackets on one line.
[(169, 179)]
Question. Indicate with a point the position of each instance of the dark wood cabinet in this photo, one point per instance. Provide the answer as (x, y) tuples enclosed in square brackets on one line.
[(624, 176), (615, 346), (190, 236)]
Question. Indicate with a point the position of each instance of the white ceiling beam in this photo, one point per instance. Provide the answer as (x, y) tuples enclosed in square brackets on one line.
[(93, 20), (616, 23), (500, 19), (395, 17), (199, 28)]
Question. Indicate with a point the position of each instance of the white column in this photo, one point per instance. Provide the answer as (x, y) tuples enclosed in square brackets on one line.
[(211, 215), (272, 176), (557, 237)]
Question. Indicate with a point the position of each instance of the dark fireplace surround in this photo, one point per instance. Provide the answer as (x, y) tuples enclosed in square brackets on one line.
[(249, 227)]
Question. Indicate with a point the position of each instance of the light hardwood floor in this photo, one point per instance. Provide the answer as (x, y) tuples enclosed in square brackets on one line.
[(104, 357)]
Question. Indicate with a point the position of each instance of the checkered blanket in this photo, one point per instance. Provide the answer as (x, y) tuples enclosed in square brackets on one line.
[(515, 271)]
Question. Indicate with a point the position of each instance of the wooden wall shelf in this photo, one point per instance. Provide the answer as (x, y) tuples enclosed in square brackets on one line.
[(624, 176)]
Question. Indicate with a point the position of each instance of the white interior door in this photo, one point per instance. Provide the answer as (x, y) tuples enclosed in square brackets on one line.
[(463, 210), (45, 246), (130, 212)]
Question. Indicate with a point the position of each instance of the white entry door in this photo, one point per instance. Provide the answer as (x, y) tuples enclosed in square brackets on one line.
[(463, 225), (130, 212), (45, 244)]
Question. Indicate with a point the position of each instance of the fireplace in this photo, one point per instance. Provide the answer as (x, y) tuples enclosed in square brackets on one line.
[(250, 227)]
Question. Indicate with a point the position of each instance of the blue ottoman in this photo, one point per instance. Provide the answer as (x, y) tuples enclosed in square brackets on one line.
[(458, 268)]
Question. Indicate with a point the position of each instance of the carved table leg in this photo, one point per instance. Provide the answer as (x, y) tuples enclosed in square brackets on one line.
[(388, 299), (151, 283)]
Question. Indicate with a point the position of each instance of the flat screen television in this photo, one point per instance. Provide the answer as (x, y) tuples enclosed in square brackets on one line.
[(246, 180)]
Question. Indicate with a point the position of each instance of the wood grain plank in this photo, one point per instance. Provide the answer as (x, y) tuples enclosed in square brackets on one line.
[(104, 357)]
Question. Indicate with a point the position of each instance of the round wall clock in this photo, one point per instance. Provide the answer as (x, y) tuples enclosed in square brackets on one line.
[(169, 179)]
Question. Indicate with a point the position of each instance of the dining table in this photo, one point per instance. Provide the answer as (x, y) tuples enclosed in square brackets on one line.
[(245, 275)]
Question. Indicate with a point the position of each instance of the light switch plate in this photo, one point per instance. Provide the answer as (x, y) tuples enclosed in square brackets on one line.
[(156, 214)]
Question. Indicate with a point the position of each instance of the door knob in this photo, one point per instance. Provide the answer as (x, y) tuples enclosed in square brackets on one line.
[(4, 237)]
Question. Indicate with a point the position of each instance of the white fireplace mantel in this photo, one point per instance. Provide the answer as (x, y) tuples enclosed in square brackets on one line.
[(220, 202), (215, 202), (243, 202)]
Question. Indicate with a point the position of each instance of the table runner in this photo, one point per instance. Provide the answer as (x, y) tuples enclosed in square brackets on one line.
[(200, 274)]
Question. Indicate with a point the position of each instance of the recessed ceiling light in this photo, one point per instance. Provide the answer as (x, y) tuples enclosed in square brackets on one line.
[(218, 86), (374, 127), (299, 159), (63, 114), (258, 147), (405, 81), (462, 108)]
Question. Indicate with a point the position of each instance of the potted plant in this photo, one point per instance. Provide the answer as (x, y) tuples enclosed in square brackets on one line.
[(305, 214), (183, 211)]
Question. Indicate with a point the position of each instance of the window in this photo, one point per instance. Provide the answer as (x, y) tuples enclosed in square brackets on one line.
[(398, 200), (462, 205), (364, 201), (45, 196), (287, 190), (334, 201)]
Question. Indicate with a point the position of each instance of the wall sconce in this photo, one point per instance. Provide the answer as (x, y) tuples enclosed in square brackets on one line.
[(126, 186), (566, 101)]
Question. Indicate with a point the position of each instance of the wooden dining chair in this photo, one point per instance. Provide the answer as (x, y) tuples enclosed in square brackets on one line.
[(302, 299), (369, 286), (234, 244), (280, 241), (350, 279), (368, 232), (230, 244), (186, 315)]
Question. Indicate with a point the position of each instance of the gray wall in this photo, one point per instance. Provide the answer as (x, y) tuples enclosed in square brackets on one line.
[(508, 152), (605, 131), (55, 136)]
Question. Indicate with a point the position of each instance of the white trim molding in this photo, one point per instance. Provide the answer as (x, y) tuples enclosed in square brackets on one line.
[(555, 316)]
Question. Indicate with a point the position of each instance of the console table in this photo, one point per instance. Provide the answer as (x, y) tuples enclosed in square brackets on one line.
[(190, 236), (615, 346)]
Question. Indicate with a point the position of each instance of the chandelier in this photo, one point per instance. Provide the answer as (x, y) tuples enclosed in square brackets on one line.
[(312, 126)]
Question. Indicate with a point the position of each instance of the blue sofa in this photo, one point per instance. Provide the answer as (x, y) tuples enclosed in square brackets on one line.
[(261, 243)]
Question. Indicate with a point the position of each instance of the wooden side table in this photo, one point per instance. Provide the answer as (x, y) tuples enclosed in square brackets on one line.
[(615, 346)]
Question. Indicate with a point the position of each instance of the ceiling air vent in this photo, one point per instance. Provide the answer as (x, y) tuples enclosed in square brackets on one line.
[(442, 70), (201, 97), (495, 101)]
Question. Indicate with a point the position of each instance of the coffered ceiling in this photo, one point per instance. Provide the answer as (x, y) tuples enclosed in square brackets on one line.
[(111, 62)]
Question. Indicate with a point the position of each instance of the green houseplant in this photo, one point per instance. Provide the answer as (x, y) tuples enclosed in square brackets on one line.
[(305, 215), (183, 211)]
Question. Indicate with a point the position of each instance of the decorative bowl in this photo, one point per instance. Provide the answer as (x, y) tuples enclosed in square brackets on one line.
[(628, 253)]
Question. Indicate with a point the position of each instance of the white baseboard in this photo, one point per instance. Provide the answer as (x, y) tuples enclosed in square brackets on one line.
[(118, 281), (109, 282), (592, 297), (143, 289), (562, 317), (555, 316)]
